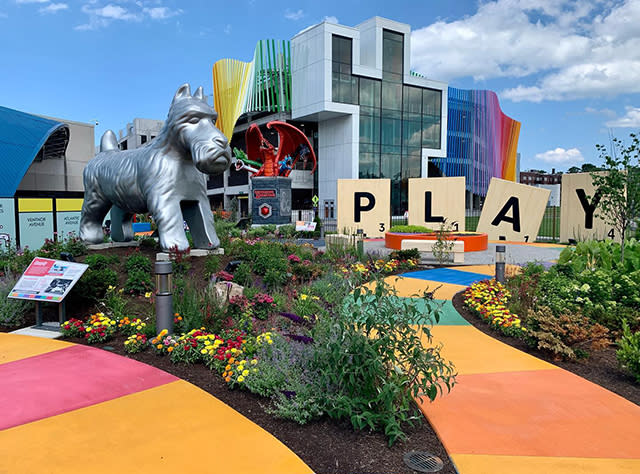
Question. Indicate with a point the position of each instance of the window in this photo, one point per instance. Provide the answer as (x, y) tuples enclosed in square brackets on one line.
[(344, 85), (143, 139), (123, 145), (392, 56), (431, 118)]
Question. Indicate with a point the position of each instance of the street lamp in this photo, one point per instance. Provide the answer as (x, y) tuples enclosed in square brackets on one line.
[(164, 298), (500, 262)]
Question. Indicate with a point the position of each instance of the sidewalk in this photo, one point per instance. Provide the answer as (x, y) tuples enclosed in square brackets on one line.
[(511, 413)]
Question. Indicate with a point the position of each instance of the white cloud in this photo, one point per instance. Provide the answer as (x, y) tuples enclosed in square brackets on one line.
[(566, 49), (606, 112), (227, 29), (100, 17), (630, 120), (560, 156), (331, 19), (115, 12), (54, 8), (291, 15), (161, 13)]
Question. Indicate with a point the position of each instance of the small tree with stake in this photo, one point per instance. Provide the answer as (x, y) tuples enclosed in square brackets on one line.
[(619, 186)]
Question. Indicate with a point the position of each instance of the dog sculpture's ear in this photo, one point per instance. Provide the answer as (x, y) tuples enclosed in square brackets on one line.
[(199, 94), (183, 91)]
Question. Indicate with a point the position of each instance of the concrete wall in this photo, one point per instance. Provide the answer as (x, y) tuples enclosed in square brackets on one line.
[(63, 174)]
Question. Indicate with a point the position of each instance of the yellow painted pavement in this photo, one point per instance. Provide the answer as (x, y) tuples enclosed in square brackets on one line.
[(491, 464), (487, 354), (171, 428), (15, 347)]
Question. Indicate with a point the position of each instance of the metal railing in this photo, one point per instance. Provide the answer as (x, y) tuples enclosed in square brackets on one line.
[(549, 227)]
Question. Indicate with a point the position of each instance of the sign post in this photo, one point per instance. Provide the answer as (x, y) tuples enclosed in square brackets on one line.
[(47, 281)]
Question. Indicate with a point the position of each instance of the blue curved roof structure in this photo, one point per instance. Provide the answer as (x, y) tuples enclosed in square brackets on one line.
[(22, 140)]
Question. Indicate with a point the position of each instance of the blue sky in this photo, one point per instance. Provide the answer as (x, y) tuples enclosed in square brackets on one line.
[(568, 70)]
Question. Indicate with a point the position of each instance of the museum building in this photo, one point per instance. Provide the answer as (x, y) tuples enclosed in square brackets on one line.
[(41, 187), (352, 92)]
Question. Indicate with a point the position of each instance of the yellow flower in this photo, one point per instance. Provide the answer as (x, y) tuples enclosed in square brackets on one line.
[(245, 373), (159, 346), (241, 379), (148, 294)]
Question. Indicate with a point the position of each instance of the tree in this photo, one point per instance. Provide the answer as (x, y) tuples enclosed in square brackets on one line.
[(589, 168), (574, 169), (619, 186)]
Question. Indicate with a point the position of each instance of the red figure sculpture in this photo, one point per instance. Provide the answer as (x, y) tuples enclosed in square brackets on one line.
[(293, 146)]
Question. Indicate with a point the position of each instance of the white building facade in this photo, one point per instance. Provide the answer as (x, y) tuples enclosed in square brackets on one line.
[(375, 119)]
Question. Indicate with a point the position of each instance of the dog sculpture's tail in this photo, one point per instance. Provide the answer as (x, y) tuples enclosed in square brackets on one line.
[(108, 141)]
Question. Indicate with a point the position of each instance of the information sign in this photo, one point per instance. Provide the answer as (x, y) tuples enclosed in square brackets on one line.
[(47, 280), (305, 226)]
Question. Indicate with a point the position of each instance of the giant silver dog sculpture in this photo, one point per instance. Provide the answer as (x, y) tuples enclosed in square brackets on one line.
[(165, 178)]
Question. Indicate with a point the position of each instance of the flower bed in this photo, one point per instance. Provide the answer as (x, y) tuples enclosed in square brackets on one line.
[(488, 300)]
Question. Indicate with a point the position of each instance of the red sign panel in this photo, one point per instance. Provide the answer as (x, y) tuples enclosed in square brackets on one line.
[(39, 267), (264, 193)]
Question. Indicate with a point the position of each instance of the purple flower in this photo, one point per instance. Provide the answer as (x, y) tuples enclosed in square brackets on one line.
[(288, 393), (293, 317), (300, 338)]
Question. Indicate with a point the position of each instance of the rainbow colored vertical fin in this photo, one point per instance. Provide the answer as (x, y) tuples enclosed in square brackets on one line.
[(482, 142), (262, 85)]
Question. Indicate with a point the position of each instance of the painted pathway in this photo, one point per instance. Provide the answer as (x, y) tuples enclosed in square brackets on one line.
[(511, 413), (68, 408)]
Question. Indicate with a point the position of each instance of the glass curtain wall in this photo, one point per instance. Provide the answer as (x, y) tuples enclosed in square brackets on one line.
[(396, 120)]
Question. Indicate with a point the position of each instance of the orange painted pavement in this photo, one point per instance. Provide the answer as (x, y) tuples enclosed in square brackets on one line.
[(485, 464), (535, 413), (488, 354), (175, 427), (513, 413), (15, 347)]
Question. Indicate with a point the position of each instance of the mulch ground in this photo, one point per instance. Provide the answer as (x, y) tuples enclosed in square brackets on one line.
[(601, 367)]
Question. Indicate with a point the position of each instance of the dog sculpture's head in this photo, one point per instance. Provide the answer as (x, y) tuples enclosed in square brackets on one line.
[(192, 121)]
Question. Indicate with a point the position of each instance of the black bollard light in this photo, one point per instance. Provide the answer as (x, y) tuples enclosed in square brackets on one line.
[(500, 262), (164, 297)]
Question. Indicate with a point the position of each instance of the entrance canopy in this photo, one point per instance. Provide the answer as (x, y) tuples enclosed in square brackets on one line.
[(25, 138)]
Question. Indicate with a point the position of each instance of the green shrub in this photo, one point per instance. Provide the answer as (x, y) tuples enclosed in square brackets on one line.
[(12, 311), (148, 242), (93, 284), (287, 231), (275, 279), (139, 263), (98, 261), (410, 229), (628, 353), (267, 256), (211, 265), (243, 275), (372, 362), (188, 302), (566, 336), (257, 232), (138, 282), (409, 254), (74, 246)]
